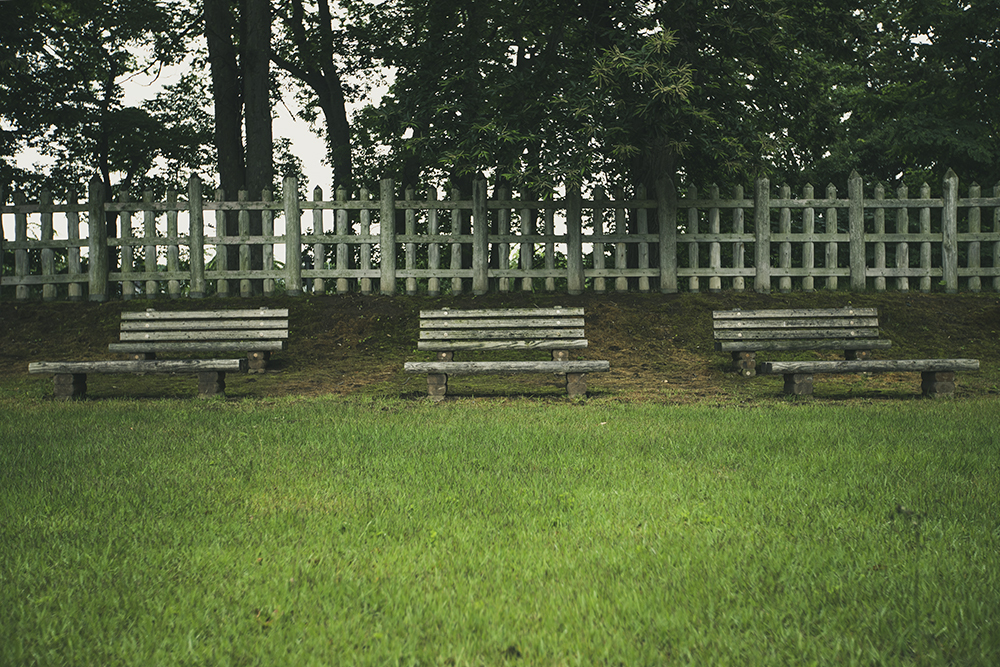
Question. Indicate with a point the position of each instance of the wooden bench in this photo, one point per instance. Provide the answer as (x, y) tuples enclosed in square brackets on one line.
[(556, 329), (937, 375), (144, 335), (743, 333)]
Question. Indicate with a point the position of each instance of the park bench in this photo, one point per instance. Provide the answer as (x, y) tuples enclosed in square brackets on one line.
[(937, 375), (144, 335), (555, 329), (743, 333)]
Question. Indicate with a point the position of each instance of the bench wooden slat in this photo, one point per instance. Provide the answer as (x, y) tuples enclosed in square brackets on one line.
[(796, 334), (505, 323), (193, 325), (801, 323), (555, 344), (504, 312), (868, 366), (799, 345), (794, 312), (205, 314), (500, 367), (203, 335), (139, 366), (196, 346), (497, 334)]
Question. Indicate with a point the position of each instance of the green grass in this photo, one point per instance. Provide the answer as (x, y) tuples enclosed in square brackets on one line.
[(369, 531)]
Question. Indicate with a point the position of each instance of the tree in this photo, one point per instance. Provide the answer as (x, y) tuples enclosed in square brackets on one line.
[(319, 52), (63, 68)]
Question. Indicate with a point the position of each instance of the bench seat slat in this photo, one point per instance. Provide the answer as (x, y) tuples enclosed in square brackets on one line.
[(127, 336), (506, 323), (467, 345), (794, 312), (151, 366), (205, 314), (195, 346), (801, 323), (504, 312), (798, 345), (499, 334), (501, 367), (868, 366), (195, 325), (796, 334)]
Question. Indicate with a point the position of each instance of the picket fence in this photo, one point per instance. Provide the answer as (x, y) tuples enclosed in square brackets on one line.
[(434, 246)]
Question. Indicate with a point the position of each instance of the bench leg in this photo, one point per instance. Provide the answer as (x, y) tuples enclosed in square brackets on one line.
[(934, 384), (437, 386), (857, 355), (576, 384), (799, 384), (211, 383), (257, 361), (745, 363), (69, 386)]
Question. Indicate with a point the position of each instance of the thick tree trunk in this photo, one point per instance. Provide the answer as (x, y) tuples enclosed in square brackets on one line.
[(256, 60), (228, 110)]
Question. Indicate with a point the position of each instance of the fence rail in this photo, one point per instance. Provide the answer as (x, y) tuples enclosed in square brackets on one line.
[(194, 246)]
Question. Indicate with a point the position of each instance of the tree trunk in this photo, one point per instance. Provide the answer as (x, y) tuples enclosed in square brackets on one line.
[(256, 60), (228, 111)]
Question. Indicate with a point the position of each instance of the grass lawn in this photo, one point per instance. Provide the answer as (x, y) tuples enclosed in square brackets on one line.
[(297, 531)]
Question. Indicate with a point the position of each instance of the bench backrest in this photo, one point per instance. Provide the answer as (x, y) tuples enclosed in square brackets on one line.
[(502, 329), (249, 330), (803, 329)]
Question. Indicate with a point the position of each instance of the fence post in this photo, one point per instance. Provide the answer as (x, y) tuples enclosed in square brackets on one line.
[(975, 247), (762, 234), (48, 256), (97, 248), (856, 230), (902, 248), (666, 215), (387, 238), (739, 250), (319, 249), (996, 244), (243, 222), (293, 236), (149, 249), (196, 212), (73, 264), (480, 239), (173, 250), (949, 233), (343, 228), (574, 240)]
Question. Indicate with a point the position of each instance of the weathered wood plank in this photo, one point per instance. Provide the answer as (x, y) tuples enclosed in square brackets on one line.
[(504, 312), (204, 335), (793, 345), (496, 334), (867, 366), (500, 367), (796, 334), (556, 344), (186, 325), (199, 346), (205, 314), (797, 323), (506, 323), (794, 312), (140, 366)]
